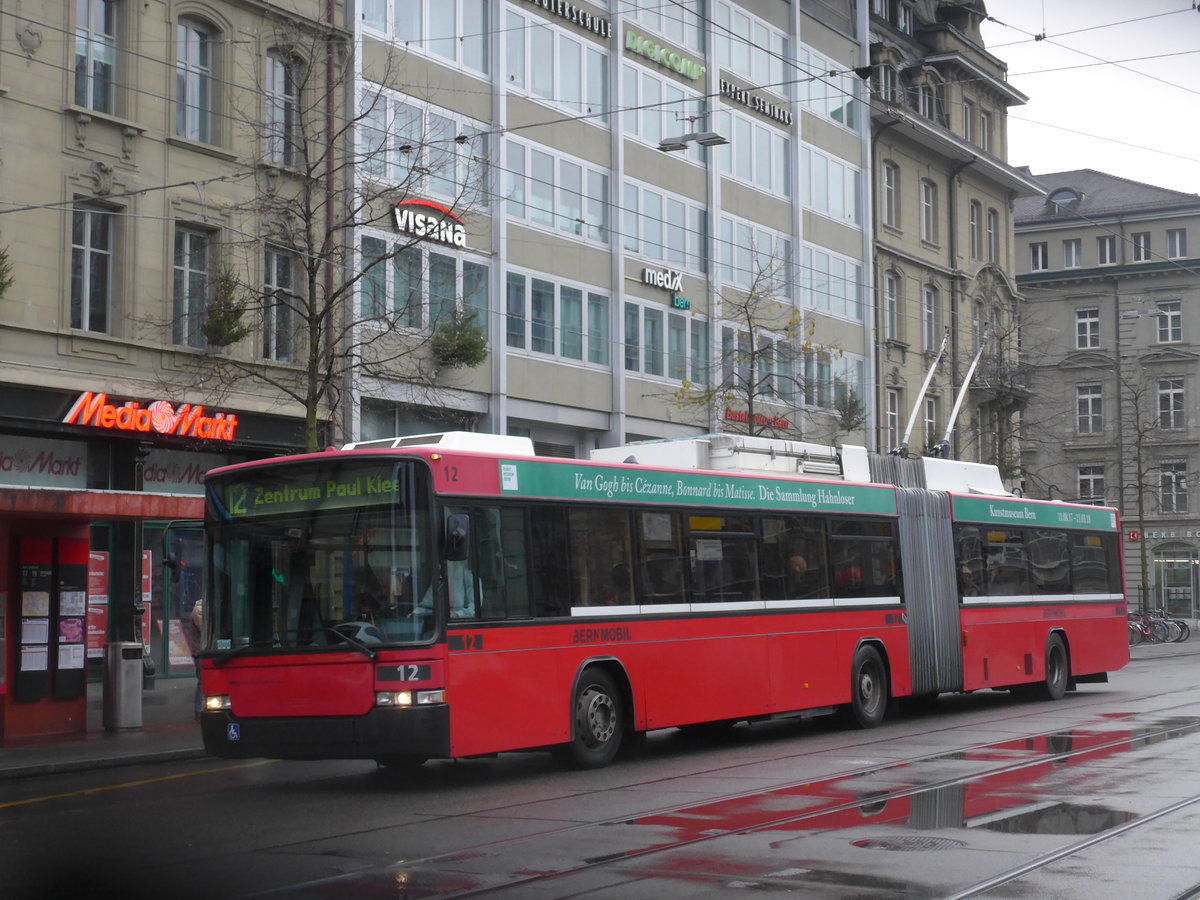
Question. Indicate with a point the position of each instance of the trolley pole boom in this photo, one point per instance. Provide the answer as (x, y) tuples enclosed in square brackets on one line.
[(902, 450), (942, 448)]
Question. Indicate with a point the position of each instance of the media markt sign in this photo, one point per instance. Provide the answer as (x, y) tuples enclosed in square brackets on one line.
[(424, 219), (159, 417)]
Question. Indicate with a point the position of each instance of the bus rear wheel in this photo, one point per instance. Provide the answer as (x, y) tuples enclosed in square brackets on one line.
[(1057, 670), (597, 721), (868, 687)]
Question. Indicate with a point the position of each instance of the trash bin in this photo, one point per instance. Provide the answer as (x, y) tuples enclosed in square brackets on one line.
[(122, 685)]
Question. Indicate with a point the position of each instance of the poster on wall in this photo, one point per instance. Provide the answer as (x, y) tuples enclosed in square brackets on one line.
[(97, 604), (3, 635), (36, 566), (71, 577), (147, 596)]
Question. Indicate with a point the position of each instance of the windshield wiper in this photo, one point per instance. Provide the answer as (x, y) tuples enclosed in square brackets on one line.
[(223, 658), (353, 642)]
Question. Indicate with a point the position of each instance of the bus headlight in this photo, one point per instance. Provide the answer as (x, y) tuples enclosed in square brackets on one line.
[(409, 698), (216, 702)]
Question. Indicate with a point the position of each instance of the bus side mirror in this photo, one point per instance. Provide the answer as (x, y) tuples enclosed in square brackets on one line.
[(458, 529)]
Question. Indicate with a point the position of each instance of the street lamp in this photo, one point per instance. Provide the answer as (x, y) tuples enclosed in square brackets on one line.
[(703, 138)]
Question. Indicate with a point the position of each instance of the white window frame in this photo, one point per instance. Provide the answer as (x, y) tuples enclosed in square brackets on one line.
[(834, 94), (1106, 250), (1172, 410), (763, 154), (679, 350), (1090, 481), (891, 418), (748, 46), (831, 283), (931, 316), (570, 72), (1039, 256), (382, 17), (1176, 243), (96, 55), (890, 205), (650, 118), (280, 303), (993, 235), (1072, 249), (93, 252), (195, 80), (1089, 408), (678, 233), (526, 196), (929, 211), (833, 187), (1141, 246), (985, 131), (975, 227), (1087, 328), (1170, 321), (682, 23), (891, 306), (528, 334), (1173, 486), (282, 108), (191, 269), (746, 250)]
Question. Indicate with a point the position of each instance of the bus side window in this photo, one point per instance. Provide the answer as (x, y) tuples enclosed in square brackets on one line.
[(501, 549), (549, 571), (661, 576), (599, 556)]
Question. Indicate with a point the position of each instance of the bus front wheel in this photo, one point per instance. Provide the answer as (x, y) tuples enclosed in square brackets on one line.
[(597, 721), (868, 687)]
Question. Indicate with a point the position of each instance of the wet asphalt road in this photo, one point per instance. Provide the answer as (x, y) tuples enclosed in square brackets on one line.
[(1096, 796)]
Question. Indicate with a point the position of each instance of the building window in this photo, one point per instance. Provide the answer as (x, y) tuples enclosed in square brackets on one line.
[(1087, 329), (556, 67), (660, 226), (1170, 403), (279, 305), (891, 306), (762, 157), (834, 187), (745, 44), (1173, 488), (1176, 243), (662, 343), (194, 82), (417, 287), (929, 212), (1089, 411), (556, 193), (985, 131), (92, 251), (190, 289), (1141, 246), (1038, 257), (929, 318), (892, 414), (755, 257), (681, 23), (95, 54), (887, 85), (457, 31), (975, 223), (831, 283), (1170, 322), (1091, 482), (993, 235), (968, 122), (280, 119), (658, 108), (1073, 253), (562, 320), (1106, 250), (890, 203), (905, 18), (833, 96), (930, 423)]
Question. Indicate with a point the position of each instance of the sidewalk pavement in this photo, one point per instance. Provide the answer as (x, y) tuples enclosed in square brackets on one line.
[(169, 731)]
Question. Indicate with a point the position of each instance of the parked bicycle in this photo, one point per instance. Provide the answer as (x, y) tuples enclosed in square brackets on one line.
[(1156, 627)]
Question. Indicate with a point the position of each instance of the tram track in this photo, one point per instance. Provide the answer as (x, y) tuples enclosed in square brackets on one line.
[(1140, 730)]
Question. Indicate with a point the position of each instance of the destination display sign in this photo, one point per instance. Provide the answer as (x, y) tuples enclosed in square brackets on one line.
[(534, 479), (309, 488), (1002, 511)]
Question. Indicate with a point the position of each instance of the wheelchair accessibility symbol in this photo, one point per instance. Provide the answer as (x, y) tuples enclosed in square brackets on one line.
[(233, 732)]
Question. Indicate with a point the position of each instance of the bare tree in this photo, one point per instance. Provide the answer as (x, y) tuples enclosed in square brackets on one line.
[(768, 366), (303, 302)]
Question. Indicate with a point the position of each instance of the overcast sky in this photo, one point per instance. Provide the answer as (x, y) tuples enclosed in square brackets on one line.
[(1139, 119)]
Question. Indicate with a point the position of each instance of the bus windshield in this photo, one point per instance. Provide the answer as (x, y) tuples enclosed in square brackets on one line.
[(336, 553)]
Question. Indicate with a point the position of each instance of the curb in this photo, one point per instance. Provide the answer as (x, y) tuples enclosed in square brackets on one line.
[(110, 762)]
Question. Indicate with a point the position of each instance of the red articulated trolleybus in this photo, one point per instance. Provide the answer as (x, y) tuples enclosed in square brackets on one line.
[(453, 595)]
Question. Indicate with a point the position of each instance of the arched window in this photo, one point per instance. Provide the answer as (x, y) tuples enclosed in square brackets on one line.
[(194, 80)]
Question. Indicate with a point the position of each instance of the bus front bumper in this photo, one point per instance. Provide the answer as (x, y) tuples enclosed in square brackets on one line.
[(420, 731)]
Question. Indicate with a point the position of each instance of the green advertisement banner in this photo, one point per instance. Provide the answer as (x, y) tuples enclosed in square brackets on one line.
[(630, 485), (1002, 511)]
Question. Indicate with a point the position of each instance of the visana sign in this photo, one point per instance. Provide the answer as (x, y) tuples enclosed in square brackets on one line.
[(664, 56), (159, 417), (410, 220)]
